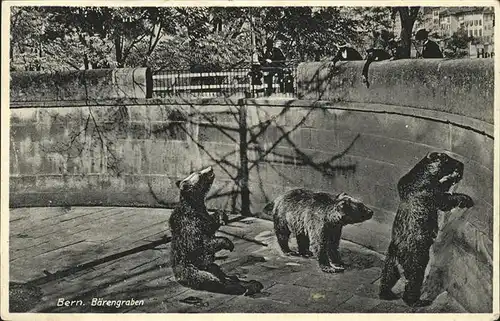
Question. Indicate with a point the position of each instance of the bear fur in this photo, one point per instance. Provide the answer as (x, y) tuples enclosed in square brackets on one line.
[(194, 243), (316, 219), (423, 191)]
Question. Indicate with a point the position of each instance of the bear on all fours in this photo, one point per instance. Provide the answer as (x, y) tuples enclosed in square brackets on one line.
[(194, 243), (316, 219), (423, 191)]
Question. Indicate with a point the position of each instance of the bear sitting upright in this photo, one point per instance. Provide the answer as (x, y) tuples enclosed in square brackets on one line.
[(194, 243), (316, 218), (423, 191)]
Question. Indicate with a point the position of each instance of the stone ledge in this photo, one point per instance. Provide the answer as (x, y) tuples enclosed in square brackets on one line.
[(458, 86), (476, 125), (81, 84)]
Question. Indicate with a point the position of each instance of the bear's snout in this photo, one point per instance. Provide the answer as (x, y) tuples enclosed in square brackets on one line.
[(368, 213), (207, 173), (207, 170)]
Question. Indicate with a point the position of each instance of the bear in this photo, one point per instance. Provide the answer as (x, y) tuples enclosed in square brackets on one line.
[(194, 243), (316, 219), (423, 191)]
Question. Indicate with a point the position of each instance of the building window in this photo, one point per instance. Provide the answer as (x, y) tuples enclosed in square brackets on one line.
[(480, 22), (470, 33), (475, 33), (480, 32)]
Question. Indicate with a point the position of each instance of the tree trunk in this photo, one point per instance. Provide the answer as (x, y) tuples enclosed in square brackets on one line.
[(243, 173), (406, 42), (408, 18), (86, 61), (118, 51)]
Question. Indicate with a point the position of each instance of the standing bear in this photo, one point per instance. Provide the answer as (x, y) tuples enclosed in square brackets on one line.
[(424, 191), (194, 243), (316, 219)]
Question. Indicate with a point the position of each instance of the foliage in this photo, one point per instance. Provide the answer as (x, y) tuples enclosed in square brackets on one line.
[(457, 46), (55, 38), (86, 36), (306, 32)]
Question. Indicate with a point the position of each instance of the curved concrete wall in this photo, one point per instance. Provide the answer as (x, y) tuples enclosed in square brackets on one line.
[(457, 86), (131, 152)]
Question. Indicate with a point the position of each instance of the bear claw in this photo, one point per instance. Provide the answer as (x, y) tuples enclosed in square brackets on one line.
[(388, 295), (339, 266), (253, 287), (419, 303), (306, 254), (329, 269), (466, 202)]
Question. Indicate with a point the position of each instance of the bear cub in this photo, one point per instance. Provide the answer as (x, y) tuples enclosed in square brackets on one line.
[(423, 191), (316, 219), (194, 243)]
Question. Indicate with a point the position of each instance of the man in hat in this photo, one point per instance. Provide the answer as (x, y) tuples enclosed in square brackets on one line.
[(273, 56), (430, 48)]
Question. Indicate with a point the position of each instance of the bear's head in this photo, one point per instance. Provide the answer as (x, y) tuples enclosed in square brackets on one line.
[(196, 185), (442, 170), (351, 210)]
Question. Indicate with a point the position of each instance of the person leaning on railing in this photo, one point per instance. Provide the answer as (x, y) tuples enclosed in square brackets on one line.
[(272, 61)]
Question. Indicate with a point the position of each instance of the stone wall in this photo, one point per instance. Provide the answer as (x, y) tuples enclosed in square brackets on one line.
[(130, 152), (457, 86), (77, 85)]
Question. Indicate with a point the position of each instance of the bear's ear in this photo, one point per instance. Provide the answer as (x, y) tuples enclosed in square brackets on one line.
[(341, 205), (433, 155), (341, 196)]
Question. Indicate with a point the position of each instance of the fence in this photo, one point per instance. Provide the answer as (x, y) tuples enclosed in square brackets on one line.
[(246, 82)]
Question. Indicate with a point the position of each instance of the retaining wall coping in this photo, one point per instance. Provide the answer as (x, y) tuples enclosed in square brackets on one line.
[(474, 124)]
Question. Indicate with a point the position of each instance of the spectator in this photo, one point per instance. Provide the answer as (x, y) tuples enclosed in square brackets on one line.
[(395, 48), (273, 57), (378, 42), (430, 48)]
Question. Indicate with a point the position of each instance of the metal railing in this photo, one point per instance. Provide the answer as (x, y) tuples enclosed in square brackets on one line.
[(256, 81)]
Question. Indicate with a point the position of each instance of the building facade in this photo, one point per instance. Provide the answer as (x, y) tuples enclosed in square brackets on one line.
[(443, 22)]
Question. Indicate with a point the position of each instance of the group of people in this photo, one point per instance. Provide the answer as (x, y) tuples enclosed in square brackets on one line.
[(272, 59), (429, 48), (272, 62), (273, 56)]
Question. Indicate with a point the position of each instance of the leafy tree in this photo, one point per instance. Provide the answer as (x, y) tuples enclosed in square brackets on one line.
[(305, 32), (457, 46), (89, 36), (122, 28), (180, 37)]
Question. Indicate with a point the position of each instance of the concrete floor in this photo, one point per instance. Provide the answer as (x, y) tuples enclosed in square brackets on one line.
[(89, 253)]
